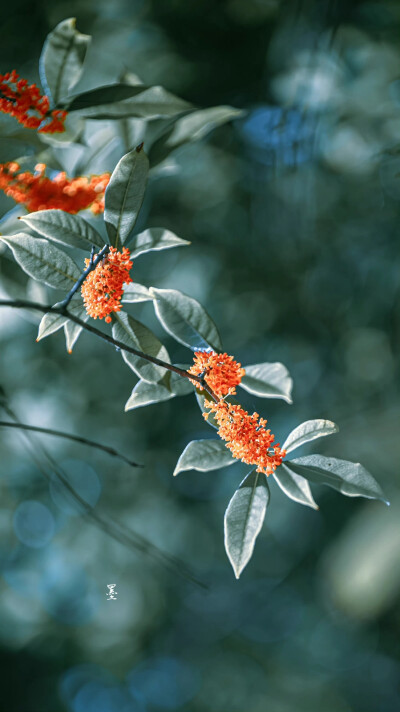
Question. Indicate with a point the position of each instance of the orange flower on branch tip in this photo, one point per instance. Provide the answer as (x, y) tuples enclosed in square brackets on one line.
[(37, 192), (246, 436), (25, 102), (221, 372), (103, 287)]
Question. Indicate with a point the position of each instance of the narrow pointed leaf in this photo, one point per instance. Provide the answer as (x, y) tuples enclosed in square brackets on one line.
[(133, 333), (204, 455), (145, 393), (61, 61), (43, 261), (155, 238), (294, 486), (49, 324), (268, 380), (185, 319), (244, 518), (349, 478), (135, 292), (70, 230), (118, 101), (124, 195), (73, 331), (192, 126), (309, 430)]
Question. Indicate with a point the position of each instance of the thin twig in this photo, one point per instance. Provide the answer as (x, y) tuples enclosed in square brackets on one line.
[(68, 436), (91, 266), (60, 309)]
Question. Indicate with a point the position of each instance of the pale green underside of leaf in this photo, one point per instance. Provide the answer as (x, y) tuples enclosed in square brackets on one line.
[(43, 261), (72, 331), (70, 230), (124, 195), (268, 380), (244, 518), (155, 238), (117, 101), (204, 455), (50, 323), (61, 61), (192, 126), (135, 292), (137, 335), (349, 478), (294, 486), (185, 319), (307, 431), (145, 393)]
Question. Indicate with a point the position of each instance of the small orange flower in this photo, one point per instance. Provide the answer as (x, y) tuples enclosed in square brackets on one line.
[(28, 105), (103, 287), (246, 436), (37, 192), (221, 372)]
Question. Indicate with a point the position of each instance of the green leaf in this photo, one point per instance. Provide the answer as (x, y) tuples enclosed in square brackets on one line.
[(294, 486), (117, 101), (268, 380), (309, 430), (191, 127), (43, 261), (145, 393), (185, 319), (204, 455), (244, 518), (155, 238), (70, 230), (349, 478), (50, 323), (135, 292), (133, 333), (73, 331), (61, 61), (124, 195)]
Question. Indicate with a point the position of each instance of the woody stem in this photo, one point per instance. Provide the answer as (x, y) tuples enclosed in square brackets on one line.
[(63, 311), (92, 265)]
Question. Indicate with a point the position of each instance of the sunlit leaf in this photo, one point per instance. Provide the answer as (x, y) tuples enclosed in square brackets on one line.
[(145, 393), (191, 127), (309, 430), (268, 380), (244, 518), (124, 195), (204, 455), (59, 226), (132, 333), (135, 292), (294, 486), (43, 261), (155, 238), (61, 61), (349, 478), (117, 101), (185, 319), (49, 324)]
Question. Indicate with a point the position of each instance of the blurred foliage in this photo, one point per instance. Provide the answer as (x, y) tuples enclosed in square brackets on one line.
[(292, 212)]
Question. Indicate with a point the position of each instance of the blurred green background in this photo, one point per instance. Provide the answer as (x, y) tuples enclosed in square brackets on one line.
[(293, 215)]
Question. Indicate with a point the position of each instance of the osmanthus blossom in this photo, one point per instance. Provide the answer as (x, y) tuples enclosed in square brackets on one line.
[(103, 287), (38, 192), (246, 436), (221, 372), (25, 103)]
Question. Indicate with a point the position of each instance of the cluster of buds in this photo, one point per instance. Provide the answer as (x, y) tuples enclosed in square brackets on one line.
[(103, 287), (38, 192), (25, 102)]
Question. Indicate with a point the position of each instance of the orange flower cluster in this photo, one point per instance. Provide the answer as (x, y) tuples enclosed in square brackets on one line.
[(37, 192), (28, 105), (246, 436), (221, 372), (103, 287)]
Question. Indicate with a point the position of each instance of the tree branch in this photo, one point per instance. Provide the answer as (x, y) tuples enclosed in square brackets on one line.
[(61, 309)]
